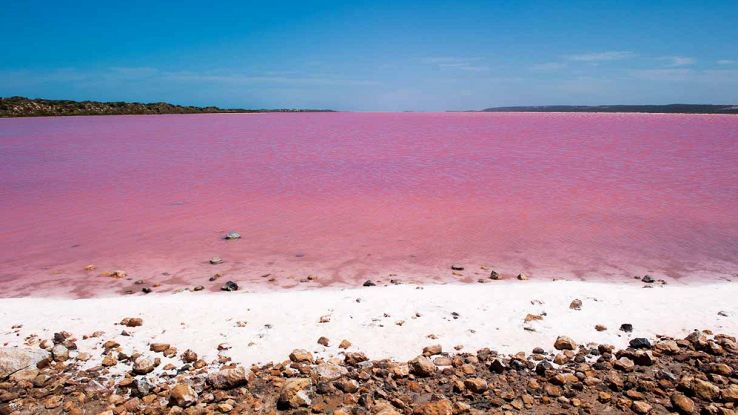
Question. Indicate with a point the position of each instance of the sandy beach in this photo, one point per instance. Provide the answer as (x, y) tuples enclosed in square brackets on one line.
[(393, 321)]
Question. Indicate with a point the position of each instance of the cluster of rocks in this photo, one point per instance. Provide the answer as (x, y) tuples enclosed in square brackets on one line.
[(697, 374)]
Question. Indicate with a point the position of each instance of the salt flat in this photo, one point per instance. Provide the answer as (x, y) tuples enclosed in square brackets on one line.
[(384, 321)]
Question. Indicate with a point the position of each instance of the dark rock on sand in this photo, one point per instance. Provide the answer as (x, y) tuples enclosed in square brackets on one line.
[(369, 283), (229, 286), (640, 343), (626, 327)]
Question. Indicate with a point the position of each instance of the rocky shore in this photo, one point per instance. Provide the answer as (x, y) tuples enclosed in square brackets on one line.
[(522, 346), (697, 374)]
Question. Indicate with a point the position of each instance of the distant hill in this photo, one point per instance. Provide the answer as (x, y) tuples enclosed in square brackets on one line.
[(668, 109), (27, 107)]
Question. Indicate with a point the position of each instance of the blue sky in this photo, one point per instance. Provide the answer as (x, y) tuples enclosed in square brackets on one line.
[(372, 55)]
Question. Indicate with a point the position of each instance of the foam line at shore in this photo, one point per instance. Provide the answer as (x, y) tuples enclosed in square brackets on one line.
[(383, 322)]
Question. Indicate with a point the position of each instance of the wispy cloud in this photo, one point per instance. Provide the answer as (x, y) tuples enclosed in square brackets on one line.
[(709, 76), (245, 79), (462, 64), (726, 62), (613, 55), (662, 74), (678, 60), (131, 74), (548, 66)]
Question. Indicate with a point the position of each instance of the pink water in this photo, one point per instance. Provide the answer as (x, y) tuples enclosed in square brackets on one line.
[(347, 197)]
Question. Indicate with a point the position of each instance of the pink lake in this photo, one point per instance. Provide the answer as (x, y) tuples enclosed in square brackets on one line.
[(346, 197)]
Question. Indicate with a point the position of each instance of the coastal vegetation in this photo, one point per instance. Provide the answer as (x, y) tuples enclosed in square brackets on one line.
[(28, 107), (658, 109)]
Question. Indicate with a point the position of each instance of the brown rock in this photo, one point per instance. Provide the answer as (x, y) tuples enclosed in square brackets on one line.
[(476, 385), (354, 358), (329, 371), (564, 378), (432, 350), (641, 407), (600, 327), (228, 378), (345, 344), (53, 401), (295, 393), (730, 394), (109, 361), (131, 321), (440, 407), (624, 364), (576, 304), (522, 276), (301, 356), (158, 347), (564, 343), (110, 344), (682, 404), (59, 353), (443, 361), (667, 347), (614, 381), (422, 366), (705, 390), (323, 341), (552, 390), (347, 385), (13, 359), (144, 365), (721, 369), (189, 356), (183, 395)]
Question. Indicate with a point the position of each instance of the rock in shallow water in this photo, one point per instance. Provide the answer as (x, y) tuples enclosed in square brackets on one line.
[(232, 235), (230, 286)]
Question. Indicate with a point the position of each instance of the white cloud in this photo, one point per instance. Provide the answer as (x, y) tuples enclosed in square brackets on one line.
[(548, 66), (119, 75), (614, 55), (726, 62), (662, 74), (451, 62), (678, 60)]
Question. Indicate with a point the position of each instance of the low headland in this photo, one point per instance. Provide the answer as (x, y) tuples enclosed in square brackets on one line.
[(30, 107), (654, 109)]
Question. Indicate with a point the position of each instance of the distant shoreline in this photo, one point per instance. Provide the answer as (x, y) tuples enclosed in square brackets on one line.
[(645, 109), (16, 107)]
